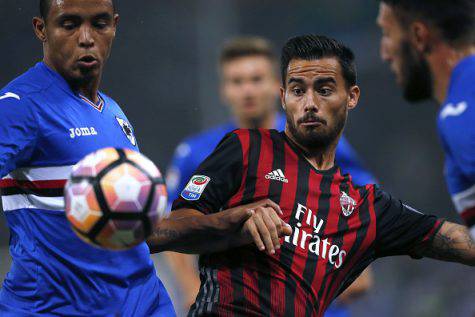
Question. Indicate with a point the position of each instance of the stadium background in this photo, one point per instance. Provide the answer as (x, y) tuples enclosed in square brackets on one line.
[(163, 73)]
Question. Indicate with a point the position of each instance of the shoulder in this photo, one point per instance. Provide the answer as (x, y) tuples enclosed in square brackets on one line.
[(30, 82), (456, 117), (16, 102), (459, 107), (19, 94), (257, 133)]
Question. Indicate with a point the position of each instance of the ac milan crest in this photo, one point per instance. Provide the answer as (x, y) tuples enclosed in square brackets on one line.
[(347, 203), (127, 129)]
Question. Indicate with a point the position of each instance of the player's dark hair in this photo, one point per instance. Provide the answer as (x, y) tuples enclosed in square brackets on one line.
[(454, 19), (45, 5), (247, 46), (311, 47)]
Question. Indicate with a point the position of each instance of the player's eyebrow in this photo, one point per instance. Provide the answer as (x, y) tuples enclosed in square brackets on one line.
[(72, 16), (104, 15), (295, 80), (68, 16), (324, 80)]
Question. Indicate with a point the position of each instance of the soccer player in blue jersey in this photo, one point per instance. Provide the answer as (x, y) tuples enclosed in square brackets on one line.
[(430, 46), (250, 86), (50, 118)]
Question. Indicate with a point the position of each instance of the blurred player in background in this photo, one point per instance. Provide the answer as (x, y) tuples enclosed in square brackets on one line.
[(50, 118), (430, 46), (338, 228), (250, 87)]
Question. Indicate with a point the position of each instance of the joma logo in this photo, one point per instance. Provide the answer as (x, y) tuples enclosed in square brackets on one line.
[(77, 132)]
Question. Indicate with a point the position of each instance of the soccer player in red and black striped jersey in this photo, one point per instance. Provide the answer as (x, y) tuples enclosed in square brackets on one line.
[(338, 228)]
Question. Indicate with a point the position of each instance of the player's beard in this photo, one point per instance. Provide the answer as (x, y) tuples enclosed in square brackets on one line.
[(416, 75), (313, 138)]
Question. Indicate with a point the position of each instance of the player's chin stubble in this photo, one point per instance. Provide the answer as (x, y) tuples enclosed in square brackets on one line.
[(315, 138)]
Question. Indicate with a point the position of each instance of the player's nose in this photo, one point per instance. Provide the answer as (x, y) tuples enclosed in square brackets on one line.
[(86, 38), (310, 102)]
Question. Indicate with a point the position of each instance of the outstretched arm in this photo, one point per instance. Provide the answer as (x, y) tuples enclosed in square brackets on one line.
[(451, 243), (190, 231)]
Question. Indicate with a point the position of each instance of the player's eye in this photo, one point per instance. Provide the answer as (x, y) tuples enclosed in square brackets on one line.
[(68, 25), (325, 91), (101, 24), (236, 81), (256, 79), (297, 91)]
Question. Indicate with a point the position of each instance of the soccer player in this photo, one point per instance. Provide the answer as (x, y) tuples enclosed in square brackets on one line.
[(430, 46), (250, 87), (338, 228), (50, 118)]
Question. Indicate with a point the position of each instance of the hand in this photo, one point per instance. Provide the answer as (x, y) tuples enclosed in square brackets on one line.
[(265, 227), (257, 222)]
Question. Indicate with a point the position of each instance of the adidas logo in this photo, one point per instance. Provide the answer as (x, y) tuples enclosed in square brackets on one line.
[(277, 175)]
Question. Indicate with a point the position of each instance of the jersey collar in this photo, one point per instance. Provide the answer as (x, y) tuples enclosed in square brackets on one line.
[(99, 106)]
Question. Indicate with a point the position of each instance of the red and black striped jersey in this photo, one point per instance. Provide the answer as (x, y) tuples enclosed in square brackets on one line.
[(338, 228)]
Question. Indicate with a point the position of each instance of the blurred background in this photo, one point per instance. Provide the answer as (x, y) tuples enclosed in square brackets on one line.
[(163, 72)]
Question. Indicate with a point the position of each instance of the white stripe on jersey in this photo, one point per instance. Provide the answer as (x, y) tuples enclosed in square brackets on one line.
[(41, 173), (21, 201), (465, 199), (15, 202)]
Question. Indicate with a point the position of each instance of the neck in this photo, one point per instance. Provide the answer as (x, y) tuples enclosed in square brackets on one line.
[(442, 63), (266, 122), (88, 87), (89, 90), (322, 158)]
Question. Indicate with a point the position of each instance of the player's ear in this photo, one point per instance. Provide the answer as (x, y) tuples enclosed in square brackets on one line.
[(116, 20), (282, 97), (353, 96), (39, 26), (420, 36)]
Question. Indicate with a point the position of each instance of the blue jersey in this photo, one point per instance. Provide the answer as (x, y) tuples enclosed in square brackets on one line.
[(194, 150), (45, 128), (457, 131)]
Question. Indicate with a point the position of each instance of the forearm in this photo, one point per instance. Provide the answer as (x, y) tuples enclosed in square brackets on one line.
[(451, 243), (186, 235), (189, 231)]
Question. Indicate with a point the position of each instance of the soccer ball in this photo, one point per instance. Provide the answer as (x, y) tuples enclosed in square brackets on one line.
[(114, 198)]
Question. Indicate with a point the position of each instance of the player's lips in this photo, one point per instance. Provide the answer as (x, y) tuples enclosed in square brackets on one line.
[(88, 61), (311, 122), (249, 104)]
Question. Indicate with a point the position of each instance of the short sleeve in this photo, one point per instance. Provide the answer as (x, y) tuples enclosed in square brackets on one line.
[(399, 227), (18, 132), (216, 180)]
